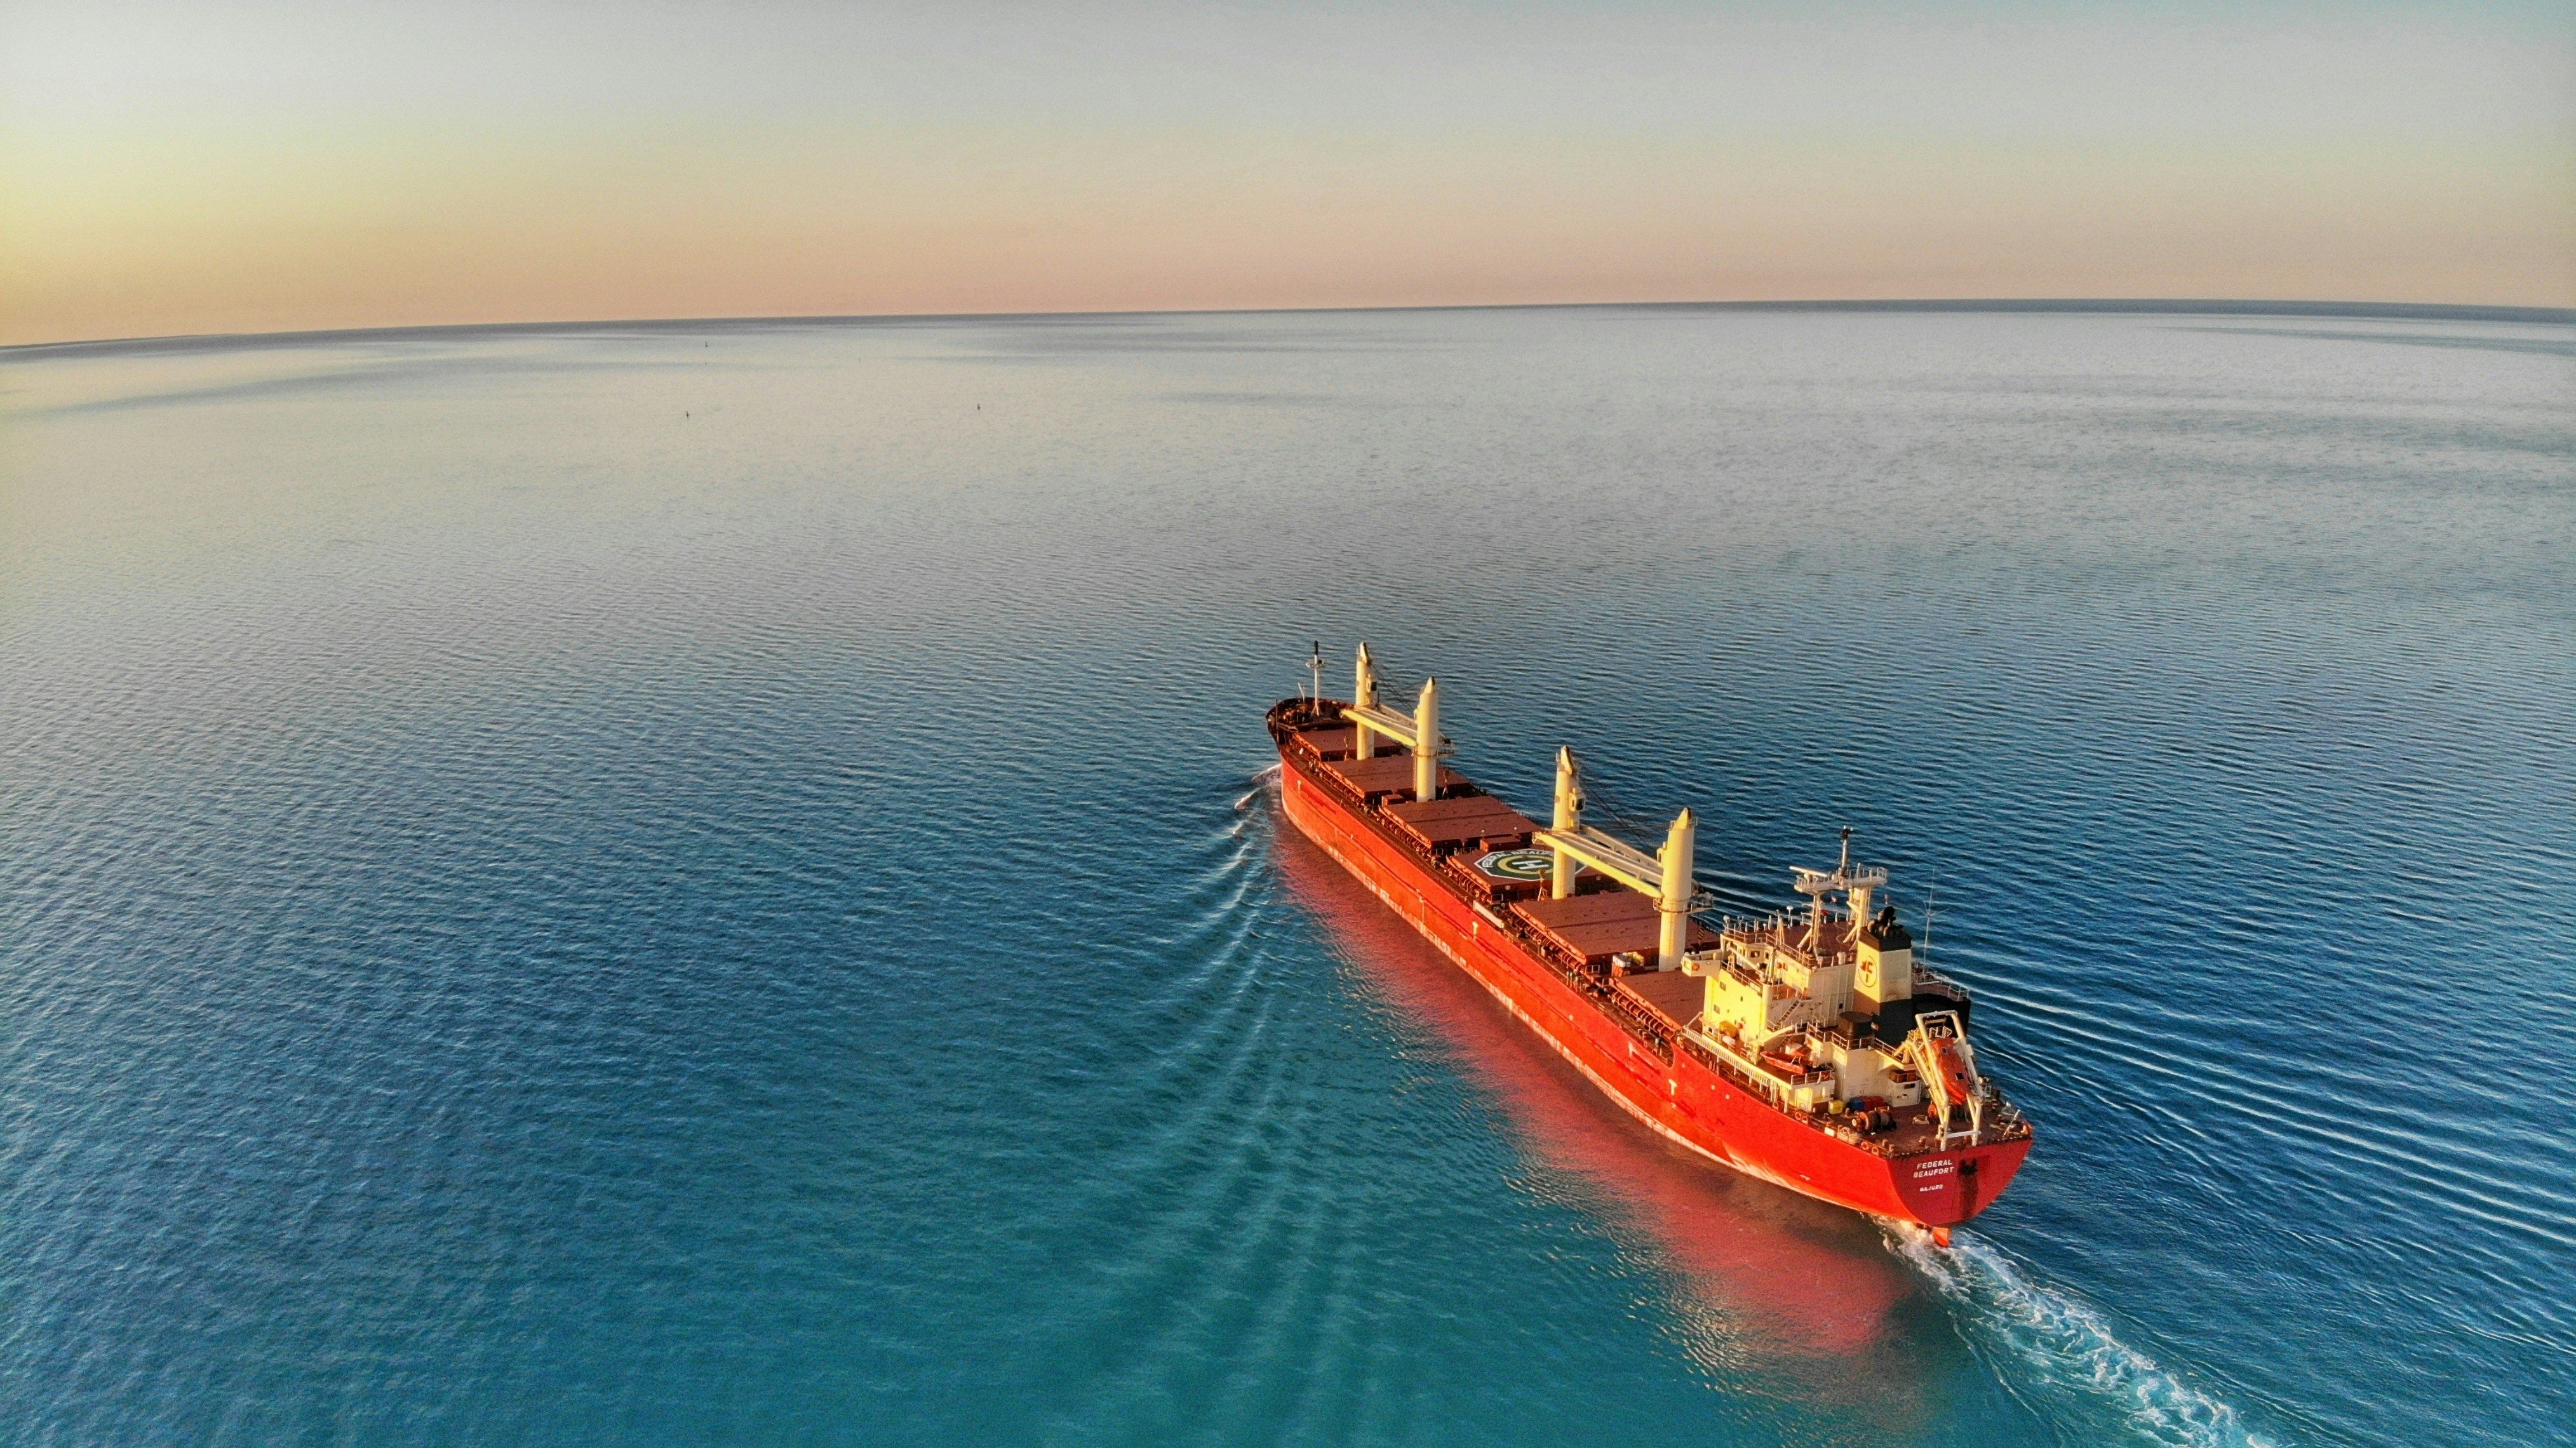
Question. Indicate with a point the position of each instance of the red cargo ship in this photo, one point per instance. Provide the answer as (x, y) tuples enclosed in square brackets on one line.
[(1808, 1049)]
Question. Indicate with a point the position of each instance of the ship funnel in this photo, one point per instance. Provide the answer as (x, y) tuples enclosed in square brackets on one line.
[(1673, 906), (1569, 818), (1426, 742), (1363, 695)]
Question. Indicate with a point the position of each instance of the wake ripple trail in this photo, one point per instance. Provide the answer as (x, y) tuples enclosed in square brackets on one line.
[(2039, 1337), (677, 885), (2034, 1337)]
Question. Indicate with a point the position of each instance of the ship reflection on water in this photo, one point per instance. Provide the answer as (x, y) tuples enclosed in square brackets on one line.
[(1760, 1278)]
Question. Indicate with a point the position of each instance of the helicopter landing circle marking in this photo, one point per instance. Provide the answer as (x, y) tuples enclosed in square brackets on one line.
[(1518, 864)]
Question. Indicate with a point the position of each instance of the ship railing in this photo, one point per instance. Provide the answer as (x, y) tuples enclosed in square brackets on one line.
[(1722, 1059), (1780, 935), (1864, 1038), (1770, 1078), (1743, 974), (2007, 1123), (1640, 1023), (1300, 712), (1717, 1057)]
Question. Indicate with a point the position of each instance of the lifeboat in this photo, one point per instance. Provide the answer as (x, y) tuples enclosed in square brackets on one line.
[(1611, 956)]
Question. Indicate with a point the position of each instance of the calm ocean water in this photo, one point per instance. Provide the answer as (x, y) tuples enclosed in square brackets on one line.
[(715, 883)]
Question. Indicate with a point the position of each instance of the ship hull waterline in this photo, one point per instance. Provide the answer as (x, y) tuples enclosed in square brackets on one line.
[(1681, 1099)]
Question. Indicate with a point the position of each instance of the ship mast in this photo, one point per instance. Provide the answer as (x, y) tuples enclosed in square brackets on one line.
[(1363, 696), (1673, 903), (1419, 732), (1426, 741), (1667, 875), (1859, 884), (1568, 820)]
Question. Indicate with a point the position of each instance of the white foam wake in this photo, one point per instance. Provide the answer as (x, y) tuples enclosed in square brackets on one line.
[(2051, 1342), (1265, 787), (1269, 780)]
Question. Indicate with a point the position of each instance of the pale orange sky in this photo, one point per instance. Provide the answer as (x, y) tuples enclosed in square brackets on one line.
[(190, 168)]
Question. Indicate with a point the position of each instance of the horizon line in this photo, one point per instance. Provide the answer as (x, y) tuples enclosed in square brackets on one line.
[(2107, 306)]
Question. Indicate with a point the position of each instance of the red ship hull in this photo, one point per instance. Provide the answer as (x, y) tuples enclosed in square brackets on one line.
[(1682, 1098)]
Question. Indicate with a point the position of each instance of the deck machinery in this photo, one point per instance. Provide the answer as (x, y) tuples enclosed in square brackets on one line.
[(1810, 1048)]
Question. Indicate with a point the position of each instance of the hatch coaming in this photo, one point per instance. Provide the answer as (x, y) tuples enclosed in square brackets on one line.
[(1841, 987)]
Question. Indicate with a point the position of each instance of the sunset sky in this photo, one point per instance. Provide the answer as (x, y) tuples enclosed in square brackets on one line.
[(252, 166)]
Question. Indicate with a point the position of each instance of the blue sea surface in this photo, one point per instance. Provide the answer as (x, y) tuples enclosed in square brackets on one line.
[(716, 883)]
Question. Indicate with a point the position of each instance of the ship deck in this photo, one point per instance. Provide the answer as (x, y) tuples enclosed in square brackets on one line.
[(1670, 994), (1479, 820), (1605, 924), (1578, 936), (1389, 774), (1676, 997)]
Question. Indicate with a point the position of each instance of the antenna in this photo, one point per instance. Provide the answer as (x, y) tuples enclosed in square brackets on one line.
[(1857, 884), (1315, 667), (1925, 954)]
